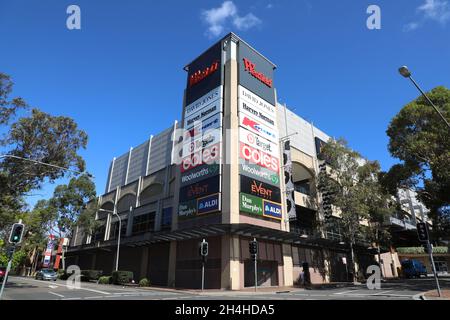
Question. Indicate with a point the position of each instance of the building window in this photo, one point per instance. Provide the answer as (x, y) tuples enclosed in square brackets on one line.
[(99, 234), (166, 221), (143, 223), (302, 187), (115, 229)]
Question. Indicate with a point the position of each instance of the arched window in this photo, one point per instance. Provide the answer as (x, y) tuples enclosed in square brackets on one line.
[(106, 206), (302, 178), (127, 201), (151, 192)]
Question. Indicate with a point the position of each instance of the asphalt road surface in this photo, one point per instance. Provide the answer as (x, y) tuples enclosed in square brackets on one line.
[(19, 288)]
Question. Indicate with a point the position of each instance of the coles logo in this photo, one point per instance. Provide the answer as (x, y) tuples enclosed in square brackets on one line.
[(250, 67), (199, 75), (209, 155), (259, 157)]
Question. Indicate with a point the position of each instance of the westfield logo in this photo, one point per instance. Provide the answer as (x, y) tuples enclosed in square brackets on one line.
[(250, 67), (199, 75)]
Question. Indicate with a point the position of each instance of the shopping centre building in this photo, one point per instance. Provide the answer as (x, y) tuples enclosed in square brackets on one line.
[(238, 166)]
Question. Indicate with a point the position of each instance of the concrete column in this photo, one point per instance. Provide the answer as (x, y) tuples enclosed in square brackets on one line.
[(230, 176), (172, 264), (288, 266), (144, 263), (327, 264), (230, 264)]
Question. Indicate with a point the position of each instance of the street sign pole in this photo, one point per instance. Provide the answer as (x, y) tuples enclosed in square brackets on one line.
[(5, 278), (430, 252)]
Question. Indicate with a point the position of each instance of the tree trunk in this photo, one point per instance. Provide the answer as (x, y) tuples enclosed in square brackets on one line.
[(353, 261)]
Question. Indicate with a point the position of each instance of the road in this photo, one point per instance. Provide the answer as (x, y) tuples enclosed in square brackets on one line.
[(19, 288)]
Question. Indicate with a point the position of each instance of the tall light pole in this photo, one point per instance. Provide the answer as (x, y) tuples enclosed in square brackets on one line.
[(404, 71), (118, 237)]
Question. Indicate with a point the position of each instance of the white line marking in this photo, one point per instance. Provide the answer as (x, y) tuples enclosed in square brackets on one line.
[(53, 287), (68, 287), (56, 294), (345, 292)]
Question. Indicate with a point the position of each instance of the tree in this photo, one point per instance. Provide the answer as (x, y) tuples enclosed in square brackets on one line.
[(355, 192), (70, 202), (50, 139), (421, 140)]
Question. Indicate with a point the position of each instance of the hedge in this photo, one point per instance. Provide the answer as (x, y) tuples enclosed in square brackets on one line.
[(420, 250), (105, 280), (122, 277), (91, 274), (144, 283)]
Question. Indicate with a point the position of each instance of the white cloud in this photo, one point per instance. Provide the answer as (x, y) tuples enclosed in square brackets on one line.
[(218, 18), (435, 10), (438, 10)]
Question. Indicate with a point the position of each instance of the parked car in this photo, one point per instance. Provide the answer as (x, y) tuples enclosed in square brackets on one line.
[(2, 273), (46, 274), (413, 268)]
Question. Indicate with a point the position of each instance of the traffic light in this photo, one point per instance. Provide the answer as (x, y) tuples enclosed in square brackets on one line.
[(204, 248), (422, 231), (16, 233), (253, 247)]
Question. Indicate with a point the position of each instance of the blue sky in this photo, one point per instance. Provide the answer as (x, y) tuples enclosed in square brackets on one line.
[(121, 78)]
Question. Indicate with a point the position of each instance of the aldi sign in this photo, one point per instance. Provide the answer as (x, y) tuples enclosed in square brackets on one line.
[(272, 210), (208, 204)]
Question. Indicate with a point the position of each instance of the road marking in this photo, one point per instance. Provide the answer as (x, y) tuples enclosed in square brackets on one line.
[(70, 287), (380, 293), (53, 287), (345, 292), (56, 294)]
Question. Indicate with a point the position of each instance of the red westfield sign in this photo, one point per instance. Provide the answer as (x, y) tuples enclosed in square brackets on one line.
[(259, 157), (250, 67), (199, 75)]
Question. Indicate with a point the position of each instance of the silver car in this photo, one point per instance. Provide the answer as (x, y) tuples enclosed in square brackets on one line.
[(46, 274)]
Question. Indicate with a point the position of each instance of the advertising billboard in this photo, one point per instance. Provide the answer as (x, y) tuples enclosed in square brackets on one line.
[(259, 207), (252, 111), (256, 142), (200, 206), (256, 73), (200, 189), (258, 102), (260, 173), (258, 127), (201, 111), (199, 173), (204, 73), (260, 189), (199, 127), (209, 155), (255, 156), (209, 137)]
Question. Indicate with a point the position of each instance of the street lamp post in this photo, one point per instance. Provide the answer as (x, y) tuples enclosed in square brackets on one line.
[(118, 236), (404, 71)]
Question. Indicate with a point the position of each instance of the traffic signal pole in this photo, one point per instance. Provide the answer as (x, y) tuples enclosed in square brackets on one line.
[(430, 252), (5, 278)]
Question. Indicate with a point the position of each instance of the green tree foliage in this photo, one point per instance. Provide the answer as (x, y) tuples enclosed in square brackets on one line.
[(70, 200), (421, 140), (355, 192), (38, 136)]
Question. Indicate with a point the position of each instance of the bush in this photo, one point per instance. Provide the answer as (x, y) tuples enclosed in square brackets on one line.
[(105, 280), (144, 283), (87, 275), (62, 274), (122, 277)]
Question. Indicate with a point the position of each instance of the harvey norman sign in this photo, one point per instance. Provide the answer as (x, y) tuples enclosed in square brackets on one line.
[(202, 102), (257, 102)]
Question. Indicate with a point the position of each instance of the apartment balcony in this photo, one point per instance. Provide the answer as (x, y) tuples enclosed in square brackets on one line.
[(404, 224)]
